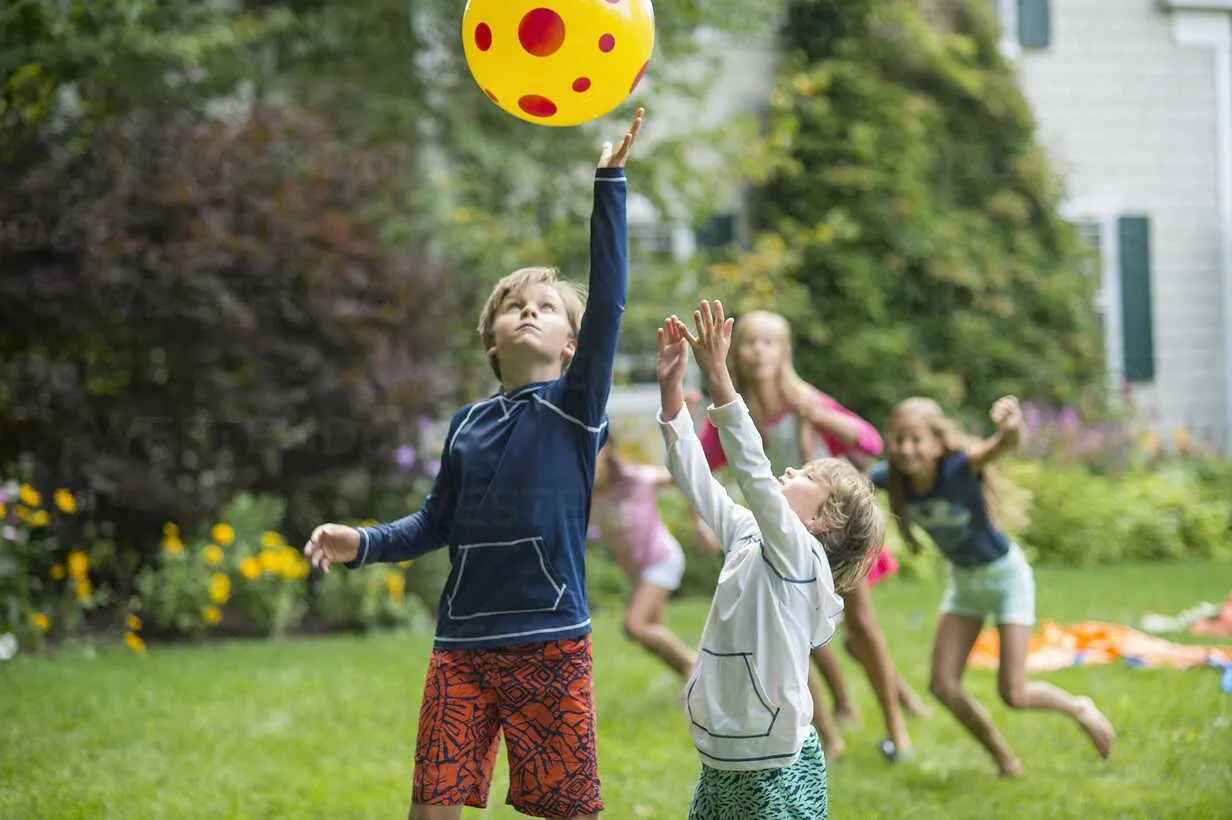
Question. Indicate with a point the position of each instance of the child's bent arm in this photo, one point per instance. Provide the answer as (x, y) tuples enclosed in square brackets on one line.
[(707, 497), (790, 548), (588, 380)]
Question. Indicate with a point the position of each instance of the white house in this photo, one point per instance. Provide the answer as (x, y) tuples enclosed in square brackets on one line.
[(1133, 99)]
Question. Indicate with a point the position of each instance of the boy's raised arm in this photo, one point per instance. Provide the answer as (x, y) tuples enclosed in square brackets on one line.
[(588, 380)]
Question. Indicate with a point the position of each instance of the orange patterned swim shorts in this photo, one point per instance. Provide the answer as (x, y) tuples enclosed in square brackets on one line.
[(541, 696)]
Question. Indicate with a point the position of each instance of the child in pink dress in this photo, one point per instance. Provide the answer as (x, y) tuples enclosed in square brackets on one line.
[(625, 513)]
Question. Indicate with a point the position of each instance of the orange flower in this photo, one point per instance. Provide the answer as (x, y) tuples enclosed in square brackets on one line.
[(65, 501), (57, 572), (134, 642), (223, 534), (220, 588), (211, 615), (40, 621)]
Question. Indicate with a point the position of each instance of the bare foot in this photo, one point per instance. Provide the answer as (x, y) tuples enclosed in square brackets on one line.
[(1097, 727), (847, 716), (1010, 769)]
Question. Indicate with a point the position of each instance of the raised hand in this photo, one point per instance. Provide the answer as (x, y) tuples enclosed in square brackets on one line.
[(616, 159), (713, 338), (1006, 413), (673, 358)]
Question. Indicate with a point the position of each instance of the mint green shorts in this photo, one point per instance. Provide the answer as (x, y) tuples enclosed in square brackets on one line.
[(1003, 590)]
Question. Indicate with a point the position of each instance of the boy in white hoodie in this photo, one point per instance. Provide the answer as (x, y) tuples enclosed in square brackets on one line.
[(749, 707)]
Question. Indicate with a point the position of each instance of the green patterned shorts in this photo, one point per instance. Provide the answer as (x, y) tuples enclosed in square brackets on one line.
[(797, 792)]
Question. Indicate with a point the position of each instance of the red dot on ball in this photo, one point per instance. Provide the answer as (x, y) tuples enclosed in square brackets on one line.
[(491, 96), (606, 43), (483, 36), (537, 106), (541, 32), (641, 73), (581, 84)]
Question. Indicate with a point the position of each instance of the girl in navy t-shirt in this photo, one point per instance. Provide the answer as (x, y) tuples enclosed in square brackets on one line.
[(943, 481)]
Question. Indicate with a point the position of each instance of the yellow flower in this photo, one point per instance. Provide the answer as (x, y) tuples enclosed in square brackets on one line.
[(369, 522), (29, 496), (83, 589), (134, 642), (212, 555), (170, 530), (65, 502), (405, 564), (211, 615), (78, 563), (133, 622), (269, 562), (57, 572), (250, 568), (270, 540), (40, 519), (223, 533), (396, 585), (21, 512), (173, 544), (220, 588), (3, 510), (40, 622)]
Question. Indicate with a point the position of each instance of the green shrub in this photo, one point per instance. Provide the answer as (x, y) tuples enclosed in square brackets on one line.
[(368, 599)]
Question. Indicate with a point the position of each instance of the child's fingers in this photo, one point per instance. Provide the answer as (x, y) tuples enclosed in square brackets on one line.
[(718, 314)]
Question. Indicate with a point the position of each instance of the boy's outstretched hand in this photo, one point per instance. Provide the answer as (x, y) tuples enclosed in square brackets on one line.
[(332, 544), (710, 345), (672, 363), (616, 159), (673, 352), (713, 338)]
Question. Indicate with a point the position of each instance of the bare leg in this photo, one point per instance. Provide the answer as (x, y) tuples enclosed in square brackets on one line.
[(644, 623), (1018, 693), (956, 634), (869, 648), (826, 659), (832, 742), (908, 699)]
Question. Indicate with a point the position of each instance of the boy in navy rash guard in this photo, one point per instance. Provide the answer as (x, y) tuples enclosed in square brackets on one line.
[(512, 501)]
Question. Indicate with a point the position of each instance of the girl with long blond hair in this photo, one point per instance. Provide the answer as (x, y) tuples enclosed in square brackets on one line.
[(798, 423), (944, 481)]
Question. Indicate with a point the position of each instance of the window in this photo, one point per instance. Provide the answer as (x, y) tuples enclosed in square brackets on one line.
[(1025, 24), (1091, 235), (717, 232), (1138, 345)]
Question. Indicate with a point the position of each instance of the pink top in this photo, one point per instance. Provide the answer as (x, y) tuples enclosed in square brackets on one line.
[(626, 513), (781, 434)]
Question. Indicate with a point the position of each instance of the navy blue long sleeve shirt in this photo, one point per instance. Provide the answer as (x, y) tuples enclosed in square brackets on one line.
[(512, 498)]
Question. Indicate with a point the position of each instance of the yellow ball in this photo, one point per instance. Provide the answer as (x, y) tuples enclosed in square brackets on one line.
[(558, 62)]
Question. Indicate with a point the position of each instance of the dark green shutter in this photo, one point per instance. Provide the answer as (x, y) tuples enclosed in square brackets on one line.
[(1034, 24), (718, 231), (1134, 237)]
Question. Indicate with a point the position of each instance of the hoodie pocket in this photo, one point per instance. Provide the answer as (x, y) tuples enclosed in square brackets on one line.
[(505, 578), (727, 700)]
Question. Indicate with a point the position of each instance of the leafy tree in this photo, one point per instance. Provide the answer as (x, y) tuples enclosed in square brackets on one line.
[(901, 191)]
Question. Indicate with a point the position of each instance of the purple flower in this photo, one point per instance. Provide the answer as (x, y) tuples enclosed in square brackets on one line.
[(404, 457), (1069, 420), (424, 423), (592, 533), (432, 467)]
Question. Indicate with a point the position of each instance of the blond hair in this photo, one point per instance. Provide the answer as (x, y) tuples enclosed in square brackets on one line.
[(793, 388), (571, 294), (953, 440), (850, 525)]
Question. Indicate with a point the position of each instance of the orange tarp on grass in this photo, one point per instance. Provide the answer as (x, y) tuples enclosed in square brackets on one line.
[(1091, 643)]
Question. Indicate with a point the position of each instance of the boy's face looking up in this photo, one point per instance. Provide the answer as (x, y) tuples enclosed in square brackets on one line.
[(532, 331)]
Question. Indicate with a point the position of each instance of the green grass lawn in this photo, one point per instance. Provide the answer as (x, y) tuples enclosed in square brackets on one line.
[(325, 727)]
